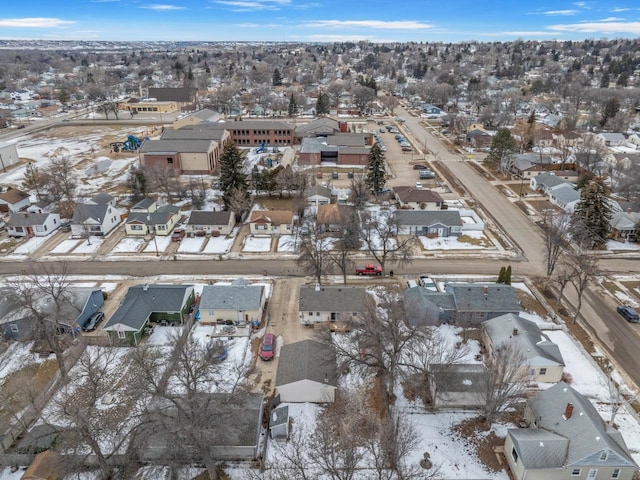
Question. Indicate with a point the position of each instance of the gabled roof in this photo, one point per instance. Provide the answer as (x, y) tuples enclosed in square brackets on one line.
[(566, 193), (413, 194), (540, 449), (537, 348), (231, 297), (318, 190), (334, 213), (202, 217), (160, 217), (274, 217), (427, 218), (102, 198), (13, 196), (549, 180), (143, 204), (332, 299), (307, 360), (484, 297), (319, 125), (28, 219), (625, 220), (89, 211), (584, 428), (143, 300)]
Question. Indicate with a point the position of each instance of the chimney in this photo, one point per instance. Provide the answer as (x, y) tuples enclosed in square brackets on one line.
[(145, 287), (515, 332), (568, 411), (485, 289), (317, 287)]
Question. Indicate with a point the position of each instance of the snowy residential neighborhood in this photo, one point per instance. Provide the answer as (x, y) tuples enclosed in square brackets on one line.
[(324, 279)]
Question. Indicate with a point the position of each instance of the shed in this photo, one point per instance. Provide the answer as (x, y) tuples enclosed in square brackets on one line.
[(279, 423)]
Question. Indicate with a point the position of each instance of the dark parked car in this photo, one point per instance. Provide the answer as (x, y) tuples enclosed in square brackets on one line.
[(267, 346), (93, 322), (65, 227), (629, 314), (419, 166)]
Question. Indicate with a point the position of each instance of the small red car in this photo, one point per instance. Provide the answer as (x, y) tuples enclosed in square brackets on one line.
[(267, 346)]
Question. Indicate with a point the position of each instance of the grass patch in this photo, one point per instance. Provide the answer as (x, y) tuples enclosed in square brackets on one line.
[(7, 245), (530, 303), (478, 242), (275, 203)]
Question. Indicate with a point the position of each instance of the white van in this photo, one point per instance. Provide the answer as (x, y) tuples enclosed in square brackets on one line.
[(411, 283)]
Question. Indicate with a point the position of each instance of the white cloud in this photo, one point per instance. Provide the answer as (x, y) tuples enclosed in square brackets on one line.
[(337, 38), (380, 24), (560, 12), (534, 33), (35, 22), (599, 27), (249, 5), (620, 9), (162, 7)]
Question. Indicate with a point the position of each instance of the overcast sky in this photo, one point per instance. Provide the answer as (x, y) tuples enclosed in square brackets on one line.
[(318, 20)]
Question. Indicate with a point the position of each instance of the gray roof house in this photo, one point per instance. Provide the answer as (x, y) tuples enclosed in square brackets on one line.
[(565, 196), (145, 303), (566, 439), (458, 386), (240, 302), (543, 358), (546, 181), (624, 224), (307, 372), (230, 423), (209, 222), (92, 219), (461, 303), (440, 223), (329, 304), (27, 224)]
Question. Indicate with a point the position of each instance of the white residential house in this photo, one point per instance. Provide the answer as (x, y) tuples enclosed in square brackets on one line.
[(8, 155), (565, 196), (307, 372), (25, 224), (611, 139), (90, 219), (14, 200)]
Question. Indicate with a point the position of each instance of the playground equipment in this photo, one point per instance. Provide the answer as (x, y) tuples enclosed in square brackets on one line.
[(131, 144), (262, 148)]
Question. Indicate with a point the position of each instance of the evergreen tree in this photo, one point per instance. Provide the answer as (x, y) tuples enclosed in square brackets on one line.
[(232, 176), (376, 177), (277, 78), (137, 183), (590, 225), (507, 275), (503, 145), (293, 105), (610, 110), (501, 275), (322, 104)]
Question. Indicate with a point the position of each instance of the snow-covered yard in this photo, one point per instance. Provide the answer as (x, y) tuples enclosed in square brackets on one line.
[(128, 245), (66, 246), (162, 242), (30, 246), (257, 244), (220, 244), (191, 245), (471, 240), (287, 243)]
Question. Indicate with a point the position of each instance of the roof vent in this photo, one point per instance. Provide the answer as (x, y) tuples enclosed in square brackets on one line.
[(145, 287), (515, 332)]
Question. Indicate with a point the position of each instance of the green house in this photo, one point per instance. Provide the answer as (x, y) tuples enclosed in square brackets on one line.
[(146, 303)]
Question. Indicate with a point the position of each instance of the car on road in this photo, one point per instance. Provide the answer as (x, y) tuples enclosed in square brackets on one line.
[(93, 322), (629, 314), (267, 346)]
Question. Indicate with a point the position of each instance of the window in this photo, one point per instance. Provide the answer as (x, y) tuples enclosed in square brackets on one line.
[(603, 456), (161, 227), (616, 473), (576, 472), (543, 371), (593, 473), (261, 227), (170, 160), (135, 227), (514, 454), (14, 329), (121, 334)]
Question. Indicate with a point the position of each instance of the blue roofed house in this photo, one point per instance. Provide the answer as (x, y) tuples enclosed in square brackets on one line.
[(565, 196), (545, 182), (240, 302), (624, 225), (567, 439), (146, 303), (544, 361), (76, 306)]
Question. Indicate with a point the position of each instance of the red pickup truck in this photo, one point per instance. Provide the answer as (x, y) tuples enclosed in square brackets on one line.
[(369, 269)]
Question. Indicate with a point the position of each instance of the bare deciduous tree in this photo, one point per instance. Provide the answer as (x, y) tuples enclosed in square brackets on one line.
[(314, 257), (586, 270), (555, 229), (506, 380), (380, 236), (360, 192)]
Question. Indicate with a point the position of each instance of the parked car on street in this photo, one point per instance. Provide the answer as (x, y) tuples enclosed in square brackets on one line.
[(93, 322), (629, 314), (267, 346)]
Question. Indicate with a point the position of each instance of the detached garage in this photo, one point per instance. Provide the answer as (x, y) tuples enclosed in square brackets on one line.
[(306, 373)]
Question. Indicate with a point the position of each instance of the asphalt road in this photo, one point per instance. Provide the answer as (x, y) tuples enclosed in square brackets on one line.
[(619, 338)]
